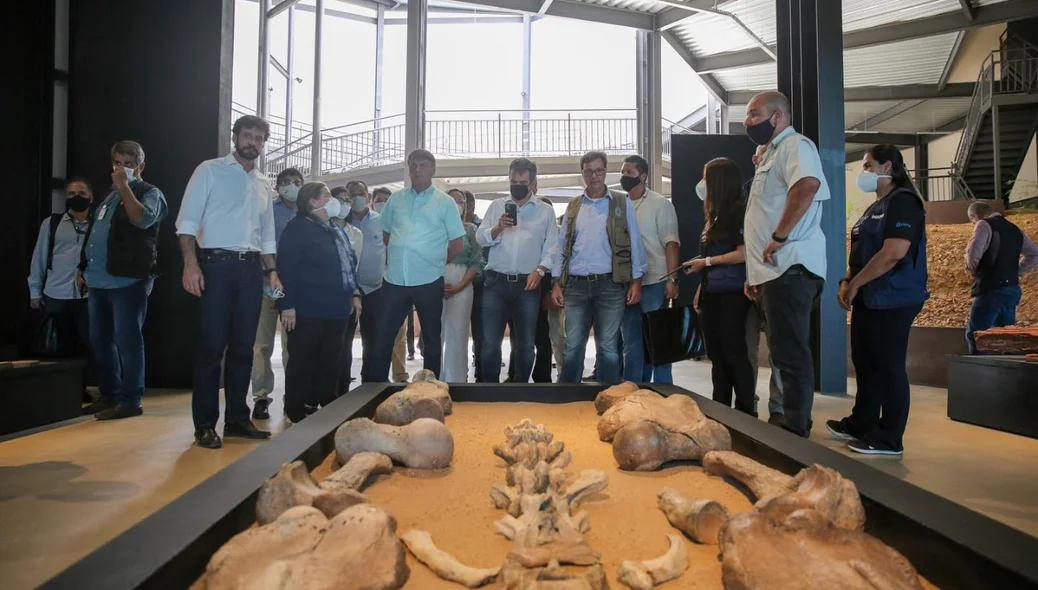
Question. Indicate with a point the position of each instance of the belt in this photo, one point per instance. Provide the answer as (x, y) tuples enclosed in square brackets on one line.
[(602, 277), (221, 254), (510, 278)]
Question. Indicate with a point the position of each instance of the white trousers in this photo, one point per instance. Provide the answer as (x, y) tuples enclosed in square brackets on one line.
[(457, 312)]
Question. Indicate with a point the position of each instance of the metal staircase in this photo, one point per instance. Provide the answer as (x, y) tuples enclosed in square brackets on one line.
[(1001, 122)]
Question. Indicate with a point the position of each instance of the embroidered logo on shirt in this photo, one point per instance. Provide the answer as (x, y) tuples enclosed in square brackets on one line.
[(902, 224)]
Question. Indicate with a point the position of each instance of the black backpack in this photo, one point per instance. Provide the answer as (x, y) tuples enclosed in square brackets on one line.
[(55, 221)]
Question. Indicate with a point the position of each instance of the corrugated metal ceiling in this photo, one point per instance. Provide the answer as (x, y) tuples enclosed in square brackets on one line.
[(854, 112), (649, 6), (927, 116)]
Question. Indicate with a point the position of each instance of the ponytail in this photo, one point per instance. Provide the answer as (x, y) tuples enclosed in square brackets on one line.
[(885, 152)]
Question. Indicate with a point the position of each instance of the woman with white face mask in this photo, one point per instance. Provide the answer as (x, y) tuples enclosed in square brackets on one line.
[(320, 267), (457, 294), (884, 289), (356, 238)]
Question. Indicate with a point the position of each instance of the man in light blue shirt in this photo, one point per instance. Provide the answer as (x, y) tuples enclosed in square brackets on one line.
[(120, 252), (598, 269), (521, 252), (370, 269), (287, 184), (422, 229)]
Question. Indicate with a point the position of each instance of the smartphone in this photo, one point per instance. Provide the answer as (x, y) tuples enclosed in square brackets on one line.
[(512, 211)]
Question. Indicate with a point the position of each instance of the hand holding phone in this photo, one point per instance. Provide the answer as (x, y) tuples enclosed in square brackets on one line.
[(512, 211)]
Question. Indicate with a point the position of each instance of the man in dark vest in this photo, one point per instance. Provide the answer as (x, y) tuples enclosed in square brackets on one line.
[(118, 266), (996, 256)]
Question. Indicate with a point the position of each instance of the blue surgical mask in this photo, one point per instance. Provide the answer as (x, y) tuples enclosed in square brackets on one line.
[(360, 204), (289, 192), (380, 206), (332, 208)]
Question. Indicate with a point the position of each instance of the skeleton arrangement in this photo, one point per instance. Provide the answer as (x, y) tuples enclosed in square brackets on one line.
[(648, 430), (424, 397)]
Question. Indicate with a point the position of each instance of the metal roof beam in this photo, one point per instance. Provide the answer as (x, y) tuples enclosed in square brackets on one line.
[(967, 9), (738, 22), (871, 122), (1011, 10), (576, 10), (872, 93), (545, 5), (283, 6), (712, 85), (903, 139), (952, 58), (670, 17)]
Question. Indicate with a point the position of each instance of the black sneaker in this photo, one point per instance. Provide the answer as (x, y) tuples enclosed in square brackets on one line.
[(837, 429), (99, 405), (260, 410), (118, 412), (860, 446), (309, 409), (410, 356), (207, 438), (775, 419), (244, 430)]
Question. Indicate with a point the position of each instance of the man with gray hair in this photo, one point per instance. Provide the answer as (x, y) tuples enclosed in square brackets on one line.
[(997, 254), (785, 248), (118, 267)]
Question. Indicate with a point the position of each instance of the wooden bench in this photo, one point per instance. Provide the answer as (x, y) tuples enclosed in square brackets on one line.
[(42, 393)]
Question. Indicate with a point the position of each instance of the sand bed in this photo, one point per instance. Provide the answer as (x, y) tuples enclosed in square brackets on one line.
[(454, 505)]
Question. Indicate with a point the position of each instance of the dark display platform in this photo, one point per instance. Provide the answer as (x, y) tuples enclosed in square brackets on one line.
[(41, 394), (950, 545), (999, 392)]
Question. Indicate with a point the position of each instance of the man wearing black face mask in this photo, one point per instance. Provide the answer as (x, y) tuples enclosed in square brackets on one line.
[(785, 248), (54, 285), (521, 252)]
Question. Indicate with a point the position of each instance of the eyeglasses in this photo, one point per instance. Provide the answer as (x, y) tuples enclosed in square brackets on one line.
[(296, 182), (595, 172)]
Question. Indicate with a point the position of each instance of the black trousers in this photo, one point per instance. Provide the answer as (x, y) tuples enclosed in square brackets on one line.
[(397, 302), (724, 326), (346, 355), (410, 333), (879, 348), (74, 316), (371, 305), (476, 321), (313, 371)]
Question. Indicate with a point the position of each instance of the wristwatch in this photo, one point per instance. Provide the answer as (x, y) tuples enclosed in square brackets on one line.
[(777, 239), (540, 271), (672, 280)]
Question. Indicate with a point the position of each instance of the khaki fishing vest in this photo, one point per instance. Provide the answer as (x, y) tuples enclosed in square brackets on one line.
[(617, 230)]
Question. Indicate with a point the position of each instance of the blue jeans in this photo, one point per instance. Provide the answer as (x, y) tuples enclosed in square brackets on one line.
[(601, 304), (992, 309), (504, 300), (397, 302), (231, 305), (116, 319), (636, 368)]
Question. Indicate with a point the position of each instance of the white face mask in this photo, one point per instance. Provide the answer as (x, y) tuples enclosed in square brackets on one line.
[(868, 182), (289, 192), (332, 208), (360, 204), (701, 190), (461, 209), (380, 206), (130, 175)]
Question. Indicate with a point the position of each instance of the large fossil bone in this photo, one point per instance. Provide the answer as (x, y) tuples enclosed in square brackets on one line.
[(701, 520), (422, 444), (609, 396), (404, 407), (426, 383), (357, 470), (643, 575), (302, 549), (780, 496), (759, 553), (421, 545), (292, 486)]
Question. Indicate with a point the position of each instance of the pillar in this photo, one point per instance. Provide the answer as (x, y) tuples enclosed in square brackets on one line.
[(414, 106), (291, 68), (650, 108), (380, 45), (262, 67), (315, 141), (527, 77)]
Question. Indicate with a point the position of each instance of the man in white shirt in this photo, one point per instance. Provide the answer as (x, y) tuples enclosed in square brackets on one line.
[(226, 230), (785, 248), (658, 224), (521, 252)]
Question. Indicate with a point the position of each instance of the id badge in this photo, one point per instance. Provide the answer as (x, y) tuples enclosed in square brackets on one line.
[(102, 212)]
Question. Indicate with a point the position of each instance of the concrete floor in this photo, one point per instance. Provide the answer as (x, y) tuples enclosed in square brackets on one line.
[(68, 490)]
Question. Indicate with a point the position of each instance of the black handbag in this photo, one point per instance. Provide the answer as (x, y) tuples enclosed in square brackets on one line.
[(672, 334), (52, 337)]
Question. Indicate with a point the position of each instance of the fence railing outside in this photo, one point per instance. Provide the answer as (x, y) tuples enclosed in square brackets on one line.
[(943, 184)]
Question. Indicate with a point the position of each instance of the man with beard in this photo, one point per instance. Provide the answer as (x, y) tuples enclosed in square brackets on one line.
[(227, 238)]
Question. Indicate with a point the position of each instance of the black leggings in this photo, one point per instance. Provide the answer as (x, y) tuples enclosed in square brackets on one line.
[(313, 371), (724, 325)]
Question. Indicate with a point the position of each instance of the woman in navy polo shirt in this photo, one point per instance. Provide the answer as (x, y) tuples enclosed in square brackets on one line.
[(884, 289), (318, 269)]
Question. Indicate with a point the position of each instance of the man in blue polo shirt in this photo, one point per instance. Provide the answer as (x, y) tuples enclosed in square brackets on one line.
[(422, 229)]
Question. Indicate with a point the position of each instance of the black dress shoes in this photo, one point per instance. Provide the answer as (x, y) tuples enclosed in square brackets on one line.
[(261, 411), (244, 430), (309, 409), (118, 412), (207, 438), (99, 405)]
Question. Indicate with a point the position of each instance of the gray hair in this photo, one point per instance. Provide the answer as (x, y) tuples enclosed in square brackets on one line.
[(307, 194), (130, 148), (981, 210)]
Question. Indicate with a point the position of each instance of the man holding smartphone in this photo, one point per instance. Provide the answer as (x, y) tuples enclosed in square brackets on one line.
[(521, 233)]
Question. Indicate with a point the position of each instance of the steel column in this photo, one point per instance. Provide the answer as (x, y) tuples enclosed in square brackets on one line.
[(922, 168), (380, 46), (649, 91), (810, 42), (711, 115), (414, 114), (527, 76), (996, 144), (315, 142), (262, 92), (725, 123), (291, 67)]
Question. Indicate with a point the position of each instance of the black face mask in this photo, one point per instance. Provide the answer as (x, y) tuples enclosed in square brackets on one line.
[(77, 204), (761, 133), (519, 191), (629, 182)]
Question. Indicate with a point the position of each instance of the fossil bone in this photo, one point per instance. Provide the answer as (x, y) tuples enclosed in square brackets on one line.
[(404, 407), (422, 444), (701, 520), (426, 383), (292, 486), (357, 549), (759, 553), (609, 396), (780, 496), (421, 545), (357, 470), (643, 575)]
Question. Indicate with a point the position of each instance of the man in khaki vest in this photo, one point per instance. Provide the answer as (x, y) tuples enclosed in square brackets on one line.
[(598, 268)]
